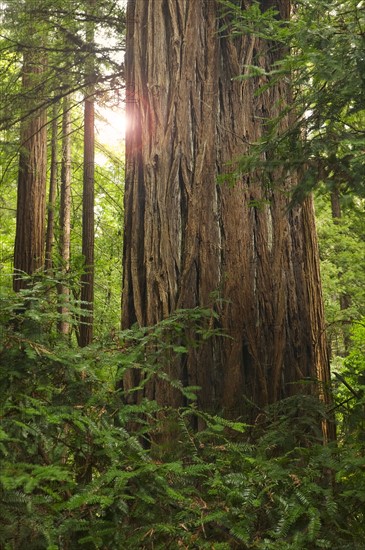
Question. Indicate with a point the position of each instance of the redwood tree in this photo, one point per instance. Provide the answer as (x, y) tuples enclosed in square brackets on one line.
[(52, 191), (65, 211), (87, 279), (31, 203), (188, 238)]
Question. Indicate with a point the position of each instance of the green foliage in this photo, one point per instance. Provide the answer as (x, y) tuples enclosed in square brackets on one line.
[(267, 486), (322, 55), (350, 386), (341, 244), (55, 33), (109, 193), (83, 468)]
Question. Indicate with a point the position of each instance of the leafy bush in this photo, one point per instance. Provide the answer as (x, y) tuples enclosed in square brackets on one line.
[(74, 474)]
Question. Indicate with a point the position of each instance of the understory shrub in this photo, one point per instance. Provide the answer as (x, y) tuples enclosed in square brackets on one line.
[(74, 474)]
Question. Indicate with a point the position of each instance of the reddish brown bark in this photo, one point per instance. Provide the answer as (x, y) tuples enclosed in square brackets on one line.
[(65, 214), (52, 191), (87, 279), (187, 237), (31, 204)]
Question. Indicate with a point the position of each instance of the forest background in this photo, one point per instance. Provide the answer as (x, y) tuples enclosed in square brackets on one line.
[(81, 465)]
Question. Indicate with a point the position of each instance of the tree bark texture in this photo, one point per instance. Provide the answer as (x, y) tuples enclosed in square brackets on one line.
[(52, 191), (31, 201), (87, 279), (188, 238), (65, 212)]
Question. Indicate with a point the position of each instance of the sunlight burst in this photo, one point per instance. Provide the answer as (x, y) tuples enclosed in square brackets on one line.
[(110, 126)]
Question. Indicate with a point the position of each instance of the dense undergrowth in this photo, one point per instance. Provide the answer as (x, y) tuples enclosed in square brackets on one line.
[(75, 475)]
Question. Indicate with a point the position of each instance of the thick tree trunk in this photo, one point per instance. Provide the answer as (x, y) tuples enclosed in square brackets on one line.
[(31, 202), (187, 237), (52, 191), (65, 213)]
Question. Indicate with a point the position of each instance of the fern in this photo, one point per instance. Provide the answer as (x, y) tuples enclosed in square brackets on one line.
[(269, 486), (314, 525)]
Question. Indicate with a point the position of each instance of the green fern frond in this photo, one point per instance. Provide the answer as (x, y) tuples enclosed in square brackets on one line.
[(240, 533), (323, 543), (301, 497), (314, 525)]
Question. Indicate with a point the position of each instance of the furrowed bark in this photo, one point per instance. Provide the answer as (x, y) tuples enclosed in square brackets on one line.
[(188, 238), (31, 202)]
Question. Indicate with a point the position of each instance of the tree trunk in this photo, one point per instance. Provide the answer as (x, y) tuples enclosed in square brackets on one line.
[(65, 214), (87, 279), (52, 191), (336, 205), (188, 238), (31, 203)]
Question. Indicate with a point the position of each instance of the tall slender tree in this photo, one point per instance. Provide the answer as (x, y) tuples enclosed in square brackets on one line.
[(87, 280), (65, 211), (52, 190), (189, 239)]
